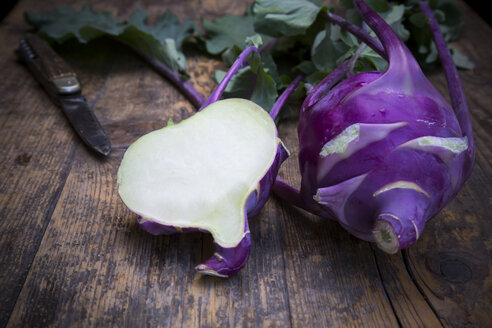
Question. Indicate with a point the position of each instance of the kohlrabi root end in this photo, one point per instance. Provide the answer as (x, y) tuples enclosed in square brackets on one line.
[(385, 237)]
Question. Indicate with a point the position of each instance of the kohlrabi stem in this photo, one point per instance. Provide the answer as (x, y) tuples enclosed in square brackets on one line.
[(228, 261), (385, 237), (263, 48), (326, 84), (288, 193), (185, 87), (393, 46), (456, 92), (279, 104), (355, 57), (267, 45), (358, 32), (291, 195), (230, 73)]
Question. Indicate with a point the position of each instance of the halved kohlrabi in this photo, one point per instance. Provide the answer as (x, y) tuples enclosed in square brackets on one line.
[(207, 173)]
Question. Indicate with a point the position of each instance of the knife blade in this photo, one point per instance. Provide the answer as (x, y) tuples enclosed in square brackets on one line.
[(63, 87)]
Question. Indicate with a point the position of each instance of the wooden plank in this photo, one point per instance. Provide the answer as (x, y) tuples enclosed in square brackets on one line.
[(37, 148), (408, 303), (95, 267), (451, 262)]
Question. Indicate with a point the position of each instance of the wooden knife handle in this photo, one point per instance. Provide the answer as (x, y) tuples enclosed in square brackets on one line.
[(48, 62), (51, 71)]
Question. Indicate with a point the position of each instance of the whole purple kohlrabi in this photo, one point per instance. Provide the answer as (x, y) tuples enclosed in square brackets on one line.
[(382, 152)]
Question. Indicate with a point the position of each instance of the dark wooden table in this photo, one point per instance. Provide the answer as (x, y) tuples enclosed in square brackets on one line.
[(71, 254)]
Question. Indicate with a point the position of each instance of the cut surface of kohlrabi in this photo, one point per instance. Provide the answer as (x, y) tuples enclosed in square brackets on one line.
[(199, 173)]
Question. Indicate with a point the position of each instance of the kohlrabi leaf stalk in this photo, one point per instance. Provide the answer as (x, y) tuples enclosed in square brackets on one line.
[(230, 73), (357, 31)]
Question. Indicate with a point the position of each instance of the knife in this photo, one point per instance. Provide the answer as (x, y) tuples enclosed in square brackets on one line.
[(64, 89)]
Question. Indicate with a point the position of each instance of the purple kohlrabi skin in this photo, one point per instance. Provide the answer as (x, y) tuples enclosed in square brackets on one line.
[(228, 261), (383, 151)]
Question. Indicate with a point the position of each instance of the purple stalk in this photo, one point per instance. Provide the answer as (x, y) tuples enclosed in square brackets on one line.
[(388, 37), (252, 87), (292, 196), (279, 104), (268, 45), (358, 32), (288, 193), (228, 261), (264, 48), (355, 58), (233, 70), (456, 92), (185, 87), (326, 84)]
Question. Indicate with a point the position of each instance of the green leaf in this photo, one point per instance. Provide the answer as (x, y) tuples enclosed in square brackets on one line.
[(327, 49), (346, 4), (460, 60), (440, 16), (65, 23), (307, 67), (419, 20), (420, 42), (395, 16), (431, 55), (270, 67), (230, 55), (161, 41), (315, 77), (228, 31), (167, 27), (294, 103), (378, 5), (252, 82), (452, 22), (284, 17), (240, 85), (265, 89), (254, 40), (378, 63)]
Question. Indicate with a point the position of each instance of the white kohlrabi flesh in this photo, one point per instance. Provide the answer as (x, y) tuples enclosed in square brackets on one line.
[(204, 174)]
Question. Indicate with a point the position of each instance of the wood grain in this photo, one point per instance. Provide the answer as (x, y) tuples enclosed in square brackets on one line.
[(71, 253), (451, 264), (37, 149)]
